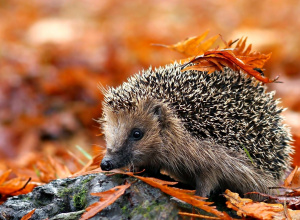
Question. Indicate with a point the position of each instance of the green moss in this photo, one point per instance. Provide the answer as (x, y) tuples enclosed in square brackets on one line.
[(125, 211), (65, 192), (88, 179), (79, 199), (148, 210), (25, 197)]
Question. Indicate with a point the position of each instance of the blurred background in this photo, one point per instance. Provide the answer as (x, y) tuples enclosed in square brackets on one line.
[(54, 53)]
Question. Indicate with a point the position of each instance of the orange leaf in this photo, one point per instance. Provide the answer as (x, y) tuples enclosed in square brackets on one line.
[(296, 143), (197, 215), (16, 187), (255, 59), (4, 176), (81, 173), (91, 165), (107, 198), (183, 195), (207, 44), (61, 170), (293, 180), (28, 215), (240, 47), (239, 57), (193, 45), (259, 210), (228, 59)]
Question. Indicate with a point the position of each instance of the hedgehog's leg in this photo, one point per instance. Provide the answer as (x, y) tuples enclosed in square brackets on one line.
[(205, 184), (233, 170), (228, 169), (202, 189)]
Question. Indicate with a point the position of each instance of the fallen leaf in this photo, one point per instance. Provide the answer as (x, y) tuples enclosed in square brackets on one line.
[(106, 198), (260, 210), (91, 165), (293, 180), (4, 176), (197, 215), (15, 186), (61, 171), (182, 194), (28, 215), (291, 199)]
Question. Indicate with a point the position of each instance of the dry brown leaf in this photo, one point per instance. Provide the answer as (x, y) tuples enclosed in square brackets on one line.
[(254, 59), (259, 210), (91, 165), (16, 187), (238, 58), (294, 214), (226, 58), (106, 198), (61, 171), (4, 176), (240, 50), (293, 180), (197, 215), (193, 45), (80, 173), (291, 199), (184, 195), (28, 215)]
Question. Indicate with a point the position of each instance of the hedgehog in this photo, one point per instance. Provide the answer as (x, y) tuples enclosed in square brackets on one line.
[(212, 131)]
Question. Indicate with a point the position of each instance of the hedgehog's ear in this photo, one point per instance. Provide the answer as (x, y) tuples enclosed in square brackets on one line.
[(160, 112), (157, 111)]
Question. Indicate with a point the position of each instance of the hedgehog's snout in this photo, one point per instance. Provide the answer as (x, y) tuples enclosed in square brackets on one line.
[(106, 165)]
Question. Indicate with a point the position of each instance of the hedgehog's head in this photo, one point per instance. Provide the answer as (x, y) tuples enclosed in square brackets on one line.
[(134, 136)]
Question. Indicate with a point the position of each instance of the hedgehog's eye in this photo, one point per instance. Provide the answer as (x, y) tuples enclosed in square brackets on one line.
[(136, 134)]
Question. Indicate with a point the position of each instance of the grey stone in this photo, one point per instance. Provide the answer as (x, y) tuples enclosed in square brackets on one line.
[(68, 198)]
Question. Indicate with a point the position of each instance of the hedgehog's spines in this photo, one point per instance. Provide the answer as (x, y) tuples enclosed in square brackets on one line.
[(226, 106)]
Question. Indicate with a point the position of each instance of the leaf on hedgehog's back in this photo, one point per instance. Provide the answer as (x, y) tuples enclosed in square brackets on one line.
[(239, 57), (254, 59), (193, 45), (225, 58), (210, 64), (259, 210)]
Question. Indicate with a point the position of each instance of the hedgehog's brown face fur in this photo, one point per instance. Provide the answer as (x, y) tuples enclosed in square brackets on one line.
[(133, 137)]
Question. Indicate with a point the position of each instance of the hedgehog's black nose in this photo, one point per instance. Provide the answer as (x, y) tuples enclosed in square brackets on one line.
[(106, 165)]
